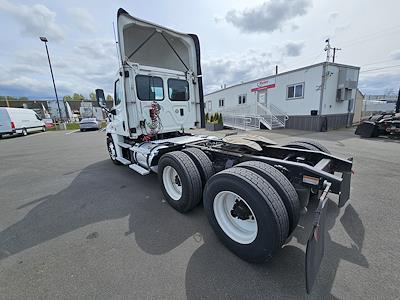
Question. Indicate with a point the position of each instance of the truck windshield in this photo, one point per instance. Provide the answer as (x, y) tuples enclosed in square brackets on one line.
[(149, 88), (178, 90)]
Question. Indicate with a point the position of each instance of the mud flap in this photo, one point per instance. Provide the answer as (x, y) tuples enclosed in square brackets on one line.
[(345, 189), (316, 241)]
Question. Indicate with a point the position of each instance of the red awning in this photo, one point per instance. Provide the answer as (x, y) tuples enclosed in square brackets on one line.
[(270, 86)]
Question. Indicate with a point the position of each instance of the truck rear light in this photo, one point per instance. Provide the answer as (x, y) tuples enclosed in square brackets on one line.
[(12, 125)]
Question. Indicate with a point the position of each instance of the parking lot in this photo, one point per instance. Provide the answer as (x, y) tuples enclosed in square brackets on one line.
[(72, 224)]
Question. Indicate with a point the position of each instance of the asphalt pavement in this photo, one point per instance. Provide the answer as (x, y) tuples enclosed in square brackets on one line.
[(74, 225)]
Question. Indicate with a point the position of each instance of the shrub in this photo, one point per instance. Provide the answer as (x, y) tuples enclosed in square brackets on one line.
[(216, 118), (207, 117), (220, 120), (212, 119)]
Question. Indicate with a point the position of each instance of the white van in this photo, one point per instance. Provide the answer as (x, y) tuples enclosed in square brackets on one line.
[(19, 121)]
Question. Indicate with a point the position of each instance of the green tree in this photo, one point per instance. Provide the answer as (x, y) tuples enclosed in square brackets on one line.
[(23, 98), (67, 98), (92, 96), (77, 97), (109, 98)]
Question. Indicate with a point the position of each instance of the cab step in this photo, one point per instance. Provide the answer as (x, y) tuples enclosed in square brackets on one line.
[(139, 169), (124, 145), (123, 161)]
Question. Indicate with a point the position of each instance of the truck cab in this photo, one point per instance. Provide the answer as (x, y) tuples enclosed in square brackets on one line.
[(158, 87)]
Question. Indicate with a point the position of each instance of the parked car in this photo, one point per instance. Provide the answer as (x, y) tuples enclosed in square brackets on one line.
[(49, 123), (19, 121), (89, 124)]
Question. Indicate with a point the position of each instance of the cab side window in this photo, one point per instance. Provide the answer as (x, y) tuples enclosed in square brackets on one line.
[(149, 88), (117, 93), (178, 90)]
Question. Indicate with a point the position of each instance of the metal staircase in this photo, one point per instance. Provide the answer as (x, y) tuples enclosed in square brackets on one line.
[(253, 117)]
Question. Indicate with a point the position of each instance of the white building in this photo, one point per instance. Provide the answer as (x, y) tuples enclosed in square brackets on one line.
[(374, 104), (316, 97)]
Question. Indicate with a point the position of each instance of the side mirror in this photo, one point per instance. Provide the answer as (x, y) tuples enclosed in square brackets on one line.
[(113, 112), (101, 100)]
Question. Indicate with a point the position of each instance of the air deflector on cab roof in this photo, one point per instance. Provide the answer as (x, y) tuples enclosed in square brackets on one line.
[(153, 45)]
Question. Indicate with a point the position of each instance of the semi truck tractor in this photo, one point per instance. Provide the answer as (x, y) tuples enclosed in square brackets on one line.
[(253, 190)]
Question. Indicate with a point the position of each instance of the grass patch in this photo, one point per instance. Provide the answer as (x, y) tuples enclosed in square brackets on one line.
[(72, 126)]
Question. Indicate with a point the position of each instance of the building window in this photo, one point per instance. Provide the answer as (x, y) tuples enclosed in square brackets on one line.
[(295, 91), (209, 105), (242, 99), (221, 102)]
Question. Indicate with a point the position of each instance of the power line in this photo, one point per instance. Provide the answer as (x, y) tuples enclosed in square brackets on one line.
[(370, 36), (383, 68), (379, 62)]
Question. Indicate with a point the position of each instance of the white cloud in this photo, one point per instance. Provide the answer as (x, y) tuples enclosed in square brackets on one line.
[(83, 19), (377, 84), (395, 55), (269, 16), (333, 16), (36, 20), (89, 65), (234, 68), (294, 48)]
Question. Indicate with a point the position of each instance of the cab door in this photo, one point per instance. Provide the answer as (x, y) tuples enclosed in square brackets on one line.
[(119, 119)]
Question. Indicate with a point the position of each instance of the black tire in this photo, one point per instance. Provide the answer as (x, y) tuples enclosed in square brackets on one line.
[(301, 145), (109, 149), (314, 144), (188, 178), (202, 162), (282, 185), (44, 129), (24, 132), (269, 211)]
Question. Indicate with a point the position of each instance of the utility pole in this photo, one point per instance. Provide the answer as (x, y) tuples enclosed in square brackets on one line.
[(334, 53), (328, 49), (44, 39), (8, 104), (398, 103)]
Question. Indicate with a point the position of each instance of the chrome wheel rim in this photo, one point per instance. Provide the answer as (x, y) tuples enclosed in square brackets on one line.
[(172, 183), (111, 150), (243, 231)]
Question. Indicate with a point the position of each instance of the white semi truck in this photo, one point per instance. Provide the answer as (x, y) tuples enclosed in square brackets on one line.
[(253, 190)]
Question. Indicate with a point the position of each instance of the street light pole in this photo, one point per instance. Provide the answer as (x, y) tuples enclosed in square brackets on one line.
[(44, 39)]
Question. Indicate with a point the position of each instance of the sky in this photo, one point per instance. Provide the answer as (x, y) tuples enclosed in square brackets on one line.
[(239, 40)]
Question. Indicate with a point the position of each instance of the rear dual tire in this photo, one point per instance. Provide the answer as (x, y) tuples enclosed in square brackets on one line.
[(282, 185), (180, 181), (246, 213), (308, 145), (202, 162)]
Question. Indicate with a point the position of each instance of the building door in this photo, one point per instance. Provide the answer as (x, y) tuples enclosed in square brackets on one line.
[(262, 97)]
